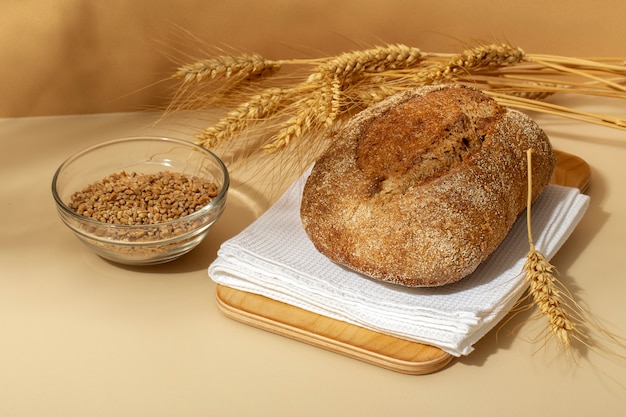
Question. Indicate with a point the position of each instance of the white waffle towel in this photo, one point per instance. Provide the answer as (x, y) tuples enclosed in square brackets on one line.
[(273, 257)]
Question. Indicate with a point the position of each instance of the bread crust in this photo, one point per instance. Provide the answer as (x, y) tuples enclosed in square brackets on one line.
[(421, 188)]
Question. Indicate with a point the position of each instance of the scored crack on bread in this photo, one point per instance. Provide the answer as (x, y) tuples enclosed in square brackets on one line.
[(421, 188)]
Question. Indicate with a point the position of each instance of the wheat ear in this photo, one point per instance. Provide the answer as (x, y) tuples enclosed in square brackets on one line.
[(378, 59), (342, 72), (242, 66), (255, 109), (305, 121), (482, 57)]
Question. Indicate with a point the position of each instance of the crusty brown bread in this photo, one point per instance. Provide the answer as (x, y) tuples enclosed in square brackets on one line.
[(421, 188)]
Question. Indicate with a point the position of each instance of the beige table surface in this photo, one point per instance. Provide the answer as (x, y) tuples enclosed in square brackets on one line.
[(83, 337)]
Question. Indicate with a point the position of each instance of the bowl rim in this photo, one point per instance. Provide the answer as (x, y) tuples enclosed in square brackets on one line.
[(203, 211)]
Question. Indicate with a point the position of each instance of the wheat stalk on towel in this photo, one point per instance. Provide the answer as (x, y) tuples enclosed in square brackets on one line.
[(568, 322)]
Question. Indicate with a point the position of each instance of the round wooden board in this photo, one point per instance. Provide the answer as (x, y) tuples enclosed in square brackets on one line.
[(357, 342)]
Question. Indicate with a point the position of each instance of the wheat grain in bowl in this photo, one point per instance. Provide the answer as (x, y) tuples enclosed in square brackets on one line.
[(141, 200)]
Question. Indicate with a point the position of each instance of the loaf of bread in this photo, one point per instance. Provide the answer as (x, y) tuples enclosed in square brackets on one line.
[(421, 188)]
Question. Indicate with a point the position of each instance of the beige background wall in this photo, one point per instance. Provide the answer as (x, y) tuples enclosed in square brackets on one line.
[(81, 56)]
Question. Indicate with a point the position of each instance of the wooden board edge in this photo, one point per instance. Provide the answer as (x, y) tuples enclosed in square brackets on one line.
[(291, 326), (571, 171)]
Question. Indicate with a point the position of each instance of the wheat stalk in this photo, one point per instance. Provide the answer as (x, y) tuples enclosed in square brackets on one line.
[(543, 287), (280, 102), (548, 108), (568, 322)]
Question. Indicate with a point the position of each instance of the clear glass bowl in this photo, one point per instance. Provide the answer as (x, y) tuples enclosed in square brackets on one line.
[(140, 244)]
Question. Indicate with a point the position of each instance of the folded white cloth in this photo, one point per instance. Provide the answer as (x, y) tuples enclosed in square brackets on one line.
[(273, 257)]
